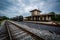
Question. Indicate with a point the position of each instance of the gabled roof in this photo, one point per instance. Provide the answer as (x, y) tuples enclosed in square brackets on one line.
[(35, 10), (41, 15), (44, 15)]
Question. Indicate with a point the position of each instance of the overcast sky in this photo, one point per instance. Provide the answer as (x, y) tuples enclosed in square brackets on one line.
[(13, 8)]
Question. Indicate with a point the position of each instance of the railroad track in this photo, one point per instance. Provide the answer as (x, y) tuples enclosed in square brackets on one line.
[(17, 33), (3, 32)]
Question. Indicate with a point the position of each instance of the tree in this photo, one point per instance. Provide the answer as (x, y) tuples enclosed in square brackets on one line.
[(52, 13), (56, 17), (4, 17)]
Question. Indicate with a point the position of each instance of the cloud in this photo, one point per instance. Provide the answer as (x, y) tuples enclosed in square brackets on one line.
[(13, 8), (29, 8)]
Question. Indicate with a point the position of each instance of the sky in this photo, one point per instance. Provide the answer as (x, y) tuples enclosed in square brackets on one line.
[(12, 8)]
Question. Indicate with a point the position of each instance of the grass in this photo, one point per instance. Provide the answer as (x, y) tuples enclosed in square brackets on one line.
[(0, 22)]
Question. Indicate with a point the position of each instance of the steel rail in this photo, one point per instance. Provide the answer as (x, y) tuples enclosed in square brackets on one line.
[(8, 30), (36, 37)]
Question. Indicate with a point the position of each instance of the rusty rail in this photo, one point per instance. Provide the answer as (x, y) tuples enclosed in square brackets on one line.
[(8, 30), (34, 35), (33, 32)]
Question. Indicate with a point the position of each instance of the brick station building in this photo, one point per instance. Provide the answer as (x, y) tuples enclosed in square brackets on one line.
[(36, 16)]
